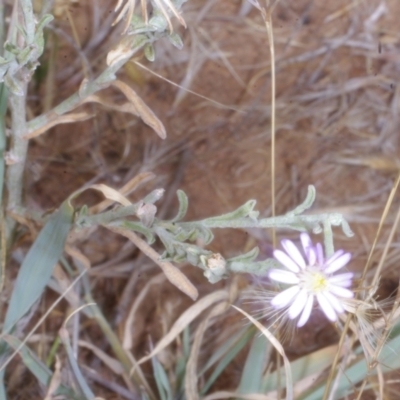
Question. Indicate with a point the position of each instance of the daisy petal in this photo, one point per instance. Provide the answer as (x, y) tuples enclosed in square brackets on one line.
[(344, 283), (284, 298), (320, 254), (326, 307), (341, 292), (298, 304), (335, 303), (306, 241), (294, 253), (280, 275), (305, 315), (338, 279), (337, 263), (286, 261), (333, 257), (311, 256)]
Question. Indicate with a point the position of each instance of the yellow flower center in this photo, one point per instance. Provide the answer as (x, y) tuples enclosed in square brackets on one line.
[(318, 282)]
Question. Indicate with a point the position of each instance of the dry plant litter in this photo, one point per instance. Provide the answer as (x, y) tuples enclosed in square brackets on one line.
[(134, 136)]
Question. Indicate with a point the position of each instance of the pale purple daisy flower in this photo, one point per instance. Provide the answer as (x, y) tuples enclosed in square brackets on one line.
[(311, 277)]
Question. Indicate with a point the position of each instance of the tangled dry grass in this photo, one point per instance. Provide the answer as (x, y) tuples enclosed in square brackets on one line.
[(337, 106)]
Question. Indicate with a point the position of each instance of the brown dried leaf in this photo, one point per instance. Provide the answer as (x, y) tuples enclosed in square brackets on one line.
[(125, 107), (143, 110), (173, 274), (130, 320), (56, 119), (128, 188), (114, 365), (111, 194)]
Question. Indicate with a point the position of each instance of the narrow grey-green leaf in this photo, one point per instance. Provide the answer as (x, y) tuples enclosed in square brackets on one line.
[(204, 233), (183, 205), (149, 52), (37, 267), (307, 203), (176, 40), (138, 227), (246, 257), (242, 211)]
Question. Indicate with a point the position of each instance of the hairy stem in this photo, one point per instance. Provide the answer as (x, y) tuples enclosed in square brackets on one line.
[(29, 20), (17, 156), (19, 147)]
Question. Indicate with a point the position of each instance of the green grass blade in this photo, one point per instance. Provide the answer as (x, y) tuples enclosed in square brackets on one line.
[(37, 267), (229, 356), (225, 347), (252, 374), (42, 373), (162, 381), (358, 371), (181, 362), (302, 368), (87, 392)]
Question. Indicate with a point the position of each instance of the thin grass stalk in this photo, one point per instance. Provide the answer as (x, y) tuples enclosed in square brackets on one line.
[(268, 24)]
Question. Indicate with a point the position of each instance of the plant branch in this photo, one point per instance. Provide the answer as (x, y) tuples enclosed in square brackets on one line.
[(86, 90), (29, 19), (16, 155)]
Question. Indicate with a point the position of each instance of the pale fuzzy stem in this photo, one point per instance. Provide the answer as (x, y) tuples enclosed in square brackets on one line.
[(19, 146), (298, 222), (29, 20), (17, 152)]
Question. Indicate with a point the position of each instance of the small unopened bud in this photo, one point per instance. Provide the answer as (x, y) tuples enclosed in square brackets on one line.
[(215, 267), (146, 214)]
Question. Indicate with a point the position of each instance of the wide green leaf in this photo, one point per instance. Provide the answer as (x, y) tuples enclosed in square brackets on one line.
[(37, 267)]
